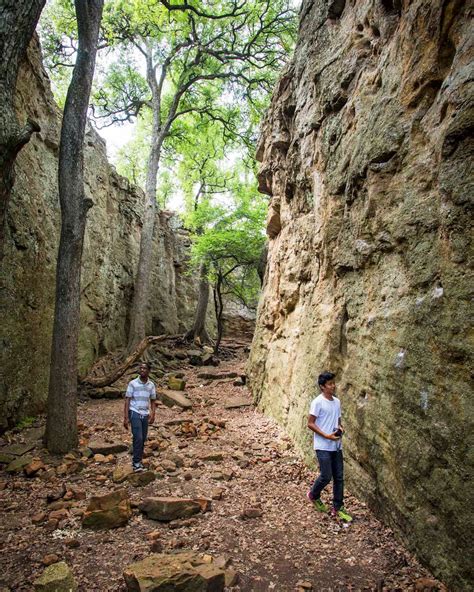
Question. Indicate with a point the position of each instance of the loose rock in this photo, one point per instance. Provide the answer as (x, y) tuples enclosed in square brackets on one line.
[(56, 578), (108, 511)]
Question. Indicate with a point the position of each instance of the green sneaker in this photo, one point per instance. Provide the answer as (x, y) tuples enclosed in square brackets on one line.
[(320, 506), (344, 515)]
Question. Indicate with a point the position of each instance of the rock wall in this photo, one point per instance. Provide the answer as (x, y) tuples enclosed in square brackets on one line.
[(109, 261), (367, 155)]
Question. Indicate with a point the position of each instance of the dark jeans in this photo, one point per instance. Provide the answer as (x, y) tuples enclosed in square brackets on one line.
[(331, 467), (139, 425)]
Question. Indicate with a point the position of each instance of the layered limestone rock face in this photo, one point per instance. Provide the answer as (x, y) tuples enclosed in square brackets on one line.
[(366, 153), (109, 261)]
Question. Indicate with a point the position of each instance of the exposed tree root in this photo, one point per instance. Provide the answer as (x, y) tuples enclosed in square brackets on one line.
[(116, 373)]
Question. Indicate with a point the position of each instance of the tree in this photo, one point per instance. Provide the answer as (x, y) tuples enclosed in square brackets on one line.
[(232, 243), (17, 24), (61, 426), (201, 177), (196, 61)]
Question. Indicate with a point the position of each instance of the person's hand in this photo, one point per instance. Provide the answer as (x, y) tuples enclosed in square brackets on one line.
[(152, 419), (333, 436), (126, 423)]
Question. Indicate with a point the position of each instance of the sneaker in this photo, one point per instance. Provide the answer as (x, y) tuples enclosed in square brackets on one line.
[(138, 468), (317, 503), (309, 496), (341, 513)]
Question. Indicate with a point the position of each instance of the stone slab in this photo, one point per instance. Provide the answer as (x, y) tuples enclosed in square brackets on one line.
[(170, 398), (237, 403), (183, 572)]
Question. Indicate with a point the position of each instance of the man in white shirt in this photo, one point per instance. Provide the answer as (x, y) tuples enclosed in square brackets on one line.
[(139, 412), (325, 421)]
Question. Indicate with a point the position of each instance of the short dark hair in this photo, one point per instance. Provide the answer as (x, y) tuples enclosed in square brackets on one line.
[(147, 364), (325, 377)]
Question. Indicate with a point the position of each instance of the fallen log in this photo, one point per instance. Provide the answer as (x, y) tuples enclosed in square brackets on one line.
[(111, 377)]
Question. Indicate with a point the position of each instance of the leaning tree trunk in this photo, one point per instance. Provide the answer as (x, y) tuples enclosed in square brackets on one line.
[(61, 425), (18, 21), (198, 331)]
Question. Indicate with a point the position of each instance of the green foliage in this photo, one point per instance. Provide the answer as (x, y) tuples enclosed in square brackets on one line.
[(24, 423), (229, 237)]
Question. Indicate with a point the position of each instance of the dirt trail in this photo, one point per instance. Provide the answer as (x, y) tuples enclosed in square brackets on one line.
[(285, 545)]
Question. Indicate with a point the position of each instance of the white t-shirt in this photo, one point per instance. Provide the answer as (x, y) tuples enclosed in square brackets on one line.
[(140, 394), (327, 414)]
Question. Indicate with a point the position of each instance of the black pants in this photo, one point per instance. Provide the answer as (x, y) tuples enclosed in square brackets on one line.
[(331, 466), (139, 425)]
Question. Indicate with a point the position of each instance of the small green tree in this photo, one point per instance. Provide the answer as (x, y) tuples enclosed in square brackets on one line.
[(231, 243)]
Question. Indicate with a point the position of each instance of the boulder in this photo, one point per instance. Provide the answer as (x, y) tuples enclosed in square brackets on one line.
[(176, 384), (105, 448), (141, 479), (166, 509), (195, 357), (56, 578), (17, 465), (108, 511), (186, 572), (31, 469), (121, 473), (18, 449), (170, 398), (209, 360), (107, 392), (6, 458)]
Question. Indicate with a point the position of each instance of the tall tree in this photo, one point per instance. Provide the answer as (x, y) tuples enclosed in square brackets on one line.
[(61, 426), (195, 60), (17, 24)]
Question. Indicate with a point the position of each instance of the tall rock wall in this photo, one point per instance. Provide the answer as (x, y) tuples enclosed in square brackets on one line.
[(109, 262), (367, 155)]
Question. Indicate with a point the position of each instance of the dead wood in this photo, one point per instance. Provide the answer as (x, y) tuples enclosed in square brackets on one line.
[(116, 373)]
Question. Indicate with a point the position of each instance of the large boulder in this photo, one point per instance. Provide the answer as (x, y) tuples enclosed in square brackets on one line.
[(108, 511), (180, 572), (166, 509), (57, 577)]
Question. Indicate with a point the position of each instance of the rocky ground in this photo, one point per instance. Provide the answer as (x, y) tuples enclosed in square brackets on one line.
[(237, 463)]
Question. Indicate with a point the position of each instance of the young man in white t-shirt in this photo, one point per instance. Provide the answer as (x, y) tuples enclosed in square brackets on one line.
[(325, 421)]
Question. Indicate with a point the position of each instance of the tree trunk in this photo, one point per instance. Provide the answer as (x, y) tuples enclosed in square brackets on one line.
[(139, 309), (219, 307), (198, 330), (18, 21), (61, 425)]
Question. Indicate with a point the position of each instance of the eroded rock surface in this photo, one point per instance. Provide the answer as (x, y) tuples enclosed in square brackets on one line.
[(366, 154), (110, 258)]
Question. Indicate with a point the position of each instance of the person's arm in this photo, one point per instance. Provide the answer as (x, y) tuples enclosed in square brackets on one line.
[(314, 428), (126, 407), (152, 411)]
